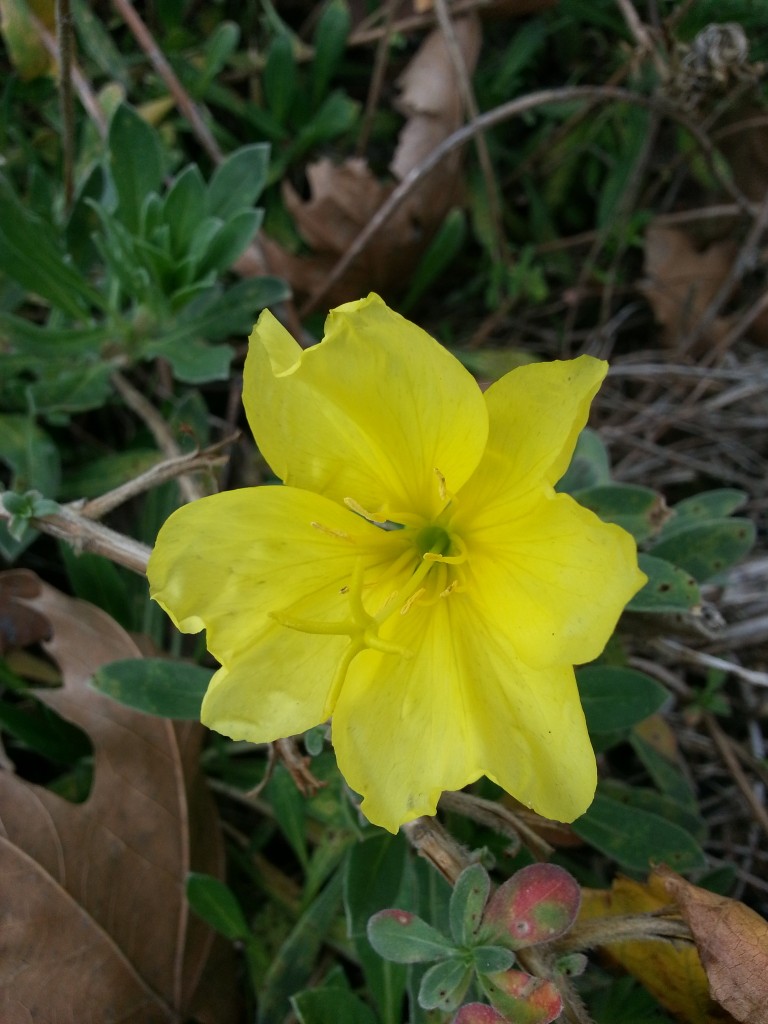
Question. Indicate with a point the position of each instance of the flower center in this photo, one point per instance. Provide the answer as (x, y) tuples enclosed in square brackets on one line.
[(433, 555), (433, 539)]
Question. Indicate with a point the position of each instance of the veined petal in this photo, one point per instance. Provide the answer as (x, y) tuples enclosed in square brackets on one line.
[(554, 580), (279, 686), (536, 413), (378, 411), (227, 562), (406, 729)]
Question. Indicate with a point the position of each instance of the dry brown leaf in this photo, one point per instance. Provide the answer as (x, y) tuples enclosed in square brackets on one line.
[(733, 945), (20, 626), (96, 926), (672, 972), (430, 99), (343, 198), (682, 281)]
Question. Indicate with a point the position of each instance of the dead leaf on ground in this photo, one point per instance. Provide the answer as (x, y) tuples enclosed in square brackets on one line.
[(682, 281), (733, 945), (20, 626), (96, 926), (344, 197), (671, 971)]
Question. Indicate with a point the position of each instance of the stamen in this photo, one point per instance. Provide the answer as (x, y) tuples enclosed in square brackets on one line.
[(457, 559), (341, 534), (452, 586), (412, 600), (442, 490), (355, 506)]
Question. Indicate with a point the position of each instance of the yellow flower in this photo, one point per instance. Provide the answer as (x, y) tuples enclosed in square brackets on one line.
[(417, 578)]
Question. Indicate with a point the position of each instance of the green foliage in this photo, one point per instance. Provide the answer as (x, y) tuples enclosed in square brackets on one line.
[(136, 278), (157, 686), (636, 838)]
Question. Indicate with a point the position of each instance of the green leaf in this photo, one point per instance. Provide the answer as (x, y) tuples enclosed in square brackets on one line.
[(706, 549), (386, 981), (40, 729), (403, 937), (637, 839), (215, 902), (31, 455), (136, 163), (639, 510), (193, 360), (665, 773), (444, 247), (238, 181), (492, 959), (590, 465), (183, 207), (220, 46), (290, 809), (330, 42), (88, 479), (444, 986), (331, 1006), (230, 241), (61, 391), (667, 807), (280, 78), (337, 114), (616, 698), (716, 504), (468, 899), (669, 588), (96, 579), (156, 686), (45, 342), (292, 965), (233, 312), (373, 874), (30, 254)]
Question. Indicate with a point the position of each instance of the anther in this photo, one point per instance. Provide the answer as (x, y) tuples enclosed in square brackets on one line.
[(441, 488), (355, 506), (412, 600), (341, 534), (450, 588)]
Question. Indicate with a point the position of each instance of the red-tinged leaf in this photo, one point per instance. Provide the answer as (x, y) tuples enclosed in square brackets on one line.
[(521, 998), (479, 1013), (537, 904)]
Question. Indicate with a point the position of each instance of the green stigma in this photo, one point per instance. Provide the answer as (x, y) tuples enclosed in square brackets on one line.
[(433, 539)]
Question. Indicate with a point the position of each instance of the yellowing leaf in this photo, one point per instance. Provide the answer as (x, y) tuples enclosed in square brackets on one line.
[(18, 24)]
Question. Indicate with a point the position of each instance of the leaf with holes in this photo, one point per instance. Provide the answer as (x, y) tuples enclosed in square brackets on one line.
[(84, 885)]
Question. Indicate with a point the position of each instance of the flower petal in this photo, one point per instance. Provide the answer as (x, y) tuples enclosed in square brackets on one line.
[(370, 413), (555, 580), (405, 729), (226, 563), (536, 414)]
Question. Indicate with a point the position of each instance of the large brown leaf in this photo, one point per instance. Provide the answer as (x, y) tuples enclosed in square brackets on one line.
[(344, 197), (733, 945), (96, 926)]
